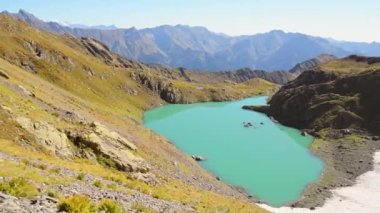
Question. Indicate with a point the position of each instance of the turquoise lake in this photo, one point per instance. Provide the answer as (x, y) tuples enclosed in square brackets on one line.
[(271, 161)]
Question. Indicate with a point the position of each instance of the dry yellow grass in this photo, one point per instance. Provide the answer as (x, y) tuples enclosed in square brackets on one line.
[(101, 98)]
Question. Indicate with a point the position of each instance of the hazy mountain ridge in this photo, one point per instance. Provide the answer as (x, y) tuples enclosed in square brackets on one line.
[(201, 49)]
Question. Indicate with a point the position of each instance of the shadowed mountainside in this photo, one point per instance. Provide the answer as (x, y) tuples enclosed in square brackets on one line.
[(336, 102), (331, 97)]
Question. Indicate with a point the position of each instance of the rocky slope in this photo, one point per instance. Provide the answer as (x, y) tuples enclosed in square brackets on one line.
[(338, 104), (71, 129)]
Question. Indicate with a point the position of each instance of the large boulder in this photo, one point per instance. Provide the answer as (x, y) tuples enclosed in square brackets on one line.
[(110, 145), (103, 131), (47, 136)]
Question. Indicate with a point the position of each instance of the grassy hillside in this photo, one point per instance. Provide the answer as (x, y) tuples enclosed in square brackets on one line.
[(351, 64), (71, 115)]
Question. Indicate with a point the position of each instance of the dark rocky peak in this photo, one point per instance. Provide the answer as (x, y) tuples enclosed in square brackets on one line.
[(368, 60), (311, 77)]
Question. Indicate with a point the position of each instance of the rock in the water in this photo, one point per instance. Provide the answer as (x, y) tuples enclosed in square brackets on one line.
[(198, 158), (304, 133)]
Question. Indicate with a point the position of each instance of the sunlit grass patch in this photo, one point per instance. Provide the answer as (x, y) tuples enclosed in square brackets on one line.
[(19, 187), (77, 204)]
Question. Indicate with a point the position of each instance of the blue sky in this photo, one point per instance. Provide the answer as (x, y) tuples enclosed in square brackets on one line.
[(355, 20)]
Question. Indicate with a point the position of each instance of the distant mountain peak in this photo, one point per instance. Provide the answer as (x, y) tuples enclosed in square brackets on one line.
[(198, 48), (26, 14), (277, 31)]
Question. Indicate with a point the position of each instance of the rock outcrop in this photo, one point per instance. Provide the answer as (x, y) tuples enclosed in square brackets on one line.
[(109, 146), (100, 50), (319, 99), (3, 74), (48, 136), (165, 89)]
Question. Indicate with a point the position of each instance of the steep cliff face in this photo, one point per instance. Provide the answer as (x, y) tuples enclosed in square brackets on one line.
[(319, 99), (164, 88)]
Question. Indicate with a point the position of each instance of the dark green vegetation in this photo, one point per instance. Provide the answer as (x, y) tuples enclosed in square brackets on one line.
[(338, 103)]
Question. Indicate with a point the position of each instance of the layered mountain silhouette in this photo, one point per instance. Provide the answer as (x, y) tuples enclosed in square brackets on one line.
[(200, 49)]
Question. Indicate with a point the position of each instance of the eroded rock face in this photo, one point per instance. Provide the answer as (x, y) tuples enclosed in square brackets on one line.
[(317, 100), (110, 145), (50, 56), (100, 50), (166, 90), (103, 131), (48, 136)]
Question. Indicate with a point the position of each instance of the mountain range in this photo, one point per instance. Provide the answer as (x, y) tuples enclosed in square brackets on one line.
[(200, 49)]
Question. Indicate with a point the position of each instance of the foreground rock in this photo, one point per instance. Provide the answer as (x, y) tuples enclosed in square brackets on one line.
[(110, 145), (48, 136)]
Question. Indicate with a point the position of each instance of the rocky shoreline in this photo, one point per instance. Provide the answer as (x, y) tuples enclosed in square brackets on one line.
[(360, 197), (347, 154), (345, 160), (346, 157)]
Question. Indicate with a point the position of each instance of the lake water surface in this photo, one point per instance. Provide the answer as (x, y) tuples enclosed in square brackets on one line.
[(271, 161)]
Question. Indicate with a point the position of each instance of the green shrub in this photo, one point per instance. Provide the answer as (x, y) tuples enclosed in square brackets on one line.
[(53, 194), (19, 187), (80, 176), (77, 204), (55, 170), (138, 207), (112, 186), (98, 184), (105, 161), (41, 166), (118, 180), (110, 206)]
